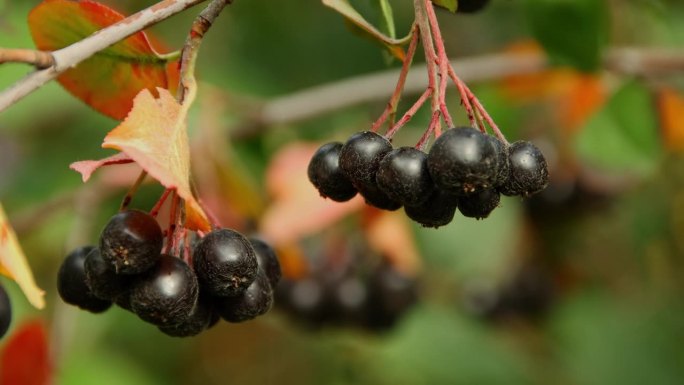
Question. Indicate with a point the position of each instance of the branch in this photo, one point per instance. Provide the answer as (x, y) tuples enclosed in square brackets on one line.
[(361, 89), (72, 55), (39, 59)]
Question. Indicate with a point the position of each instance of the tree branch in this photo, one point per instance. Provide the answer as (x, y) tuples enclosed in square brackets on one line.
[(39, 59), (356, 90), (72, 55)]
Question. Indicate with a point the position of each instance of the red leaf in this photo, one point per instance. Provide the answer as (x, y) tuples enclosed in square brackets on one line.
[(110, 79), (25, 359)]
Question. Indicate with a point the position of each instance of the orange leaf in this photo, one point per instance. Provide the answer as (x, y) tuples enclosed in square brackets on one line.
[(584, 96), (298, 210), (87, 167), (25, 359), (154, 135), (671, 108), (390, 235), (13, 263), (109, 80)]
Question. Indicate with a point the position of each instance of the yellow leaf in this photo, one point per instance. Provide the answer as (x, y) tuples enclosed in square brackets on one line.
[(154, 135), (13, 263)]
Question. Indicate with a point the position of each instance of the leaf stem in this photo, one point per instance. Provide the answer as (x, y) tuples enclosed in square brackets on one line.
[(157, 206), (126, 201)]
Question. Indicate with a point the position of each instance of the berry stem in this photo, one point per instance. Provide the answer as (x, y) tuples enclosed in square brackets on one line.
[(173, 217), (422, 142), (126, 201), (391, 108), (409, 114), (423, 23), (443, 62), (157, 206)]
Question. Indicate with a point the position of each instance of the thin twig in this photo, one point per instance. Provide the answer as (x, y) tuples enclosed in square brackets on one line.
[(38, 59), (126, 201), (74, 54), (409, 114), (430, 56)]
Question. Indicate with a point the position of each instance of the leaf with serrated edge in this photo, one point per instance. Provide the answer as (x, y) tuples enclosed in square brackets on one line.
[(345, 9), (154, 135), (110, 79), (14, 265)]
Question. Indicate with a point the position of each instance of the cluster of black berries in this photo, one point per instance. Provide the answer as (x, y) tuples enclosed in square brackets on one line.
[(5, 312), (465, 169), (231, 277), (374, 301)]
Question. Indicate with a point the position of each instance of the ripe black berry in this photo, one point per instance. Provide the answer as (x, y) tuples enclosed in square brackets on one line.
[(166, 294), (479, 204), (225, 263), (196, 322), (349, 300), (5, 311), (255, 301), (72, 286), (529, 174), (102, 280), (267, 260), (325, 174), (437, 211), (504, 170), (403, 175), (462, 161), (471, 6), (359, 160), (391, 293), (131, 242), (305, 299)]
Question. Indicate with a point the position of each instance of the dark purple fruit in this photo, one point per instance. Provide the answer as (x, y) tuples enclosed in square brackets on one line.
[(255, 301), (225, 263), (376, 198), (437, 211), (471, 6), (72, 286), (102, 280), (166, 294), (462, 161), (529, 174), (197, 321), (305, 299), (5, 312), (349, 300), (131, 242), (504, 170), (267, 260), (391, 294), (480, 204), (403, 175), (325, 174)]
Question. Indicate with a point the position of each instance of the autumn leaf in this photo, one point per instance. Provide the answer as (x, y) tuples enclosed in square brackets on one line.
[(87, 167), (25, 359), (390, 235), (109, 80), (297, 209), (14, 265), (154, 135)]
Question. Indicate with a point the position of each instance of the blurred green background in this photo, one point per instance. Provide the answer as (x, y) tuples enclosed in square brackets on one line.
[(593, 264)]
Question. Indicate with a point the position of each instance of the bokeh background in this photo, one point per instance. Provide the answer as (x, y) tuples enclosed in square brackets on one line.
[(581, 284)]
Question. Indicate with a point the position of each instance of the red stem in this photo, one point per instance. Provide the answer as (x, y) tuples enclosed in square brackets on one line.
[(409, 114), (394, 99), (157, 206), (443, 62), (173, 218), (426, 135)]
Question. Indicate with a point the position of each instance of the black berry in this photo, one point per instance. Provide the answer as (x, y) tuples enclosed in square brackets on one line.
[(360, 158), (267, 260), (131, 242), (391, 293), (529, 174), (504, 170), (166, 294), (437, 211), (255, 301), (5, 312), (471, 6), (325, 174), (403, 175), (102, 280), (225, 263), (463, 160), (480, 204), (196, 322), (72, 286)]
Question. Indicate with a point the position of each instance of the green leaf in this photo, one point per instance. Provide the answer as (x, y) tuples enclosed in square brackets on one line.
[(394, 45), (451, 5), (624, 135), (573, 32), (388, 18)]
